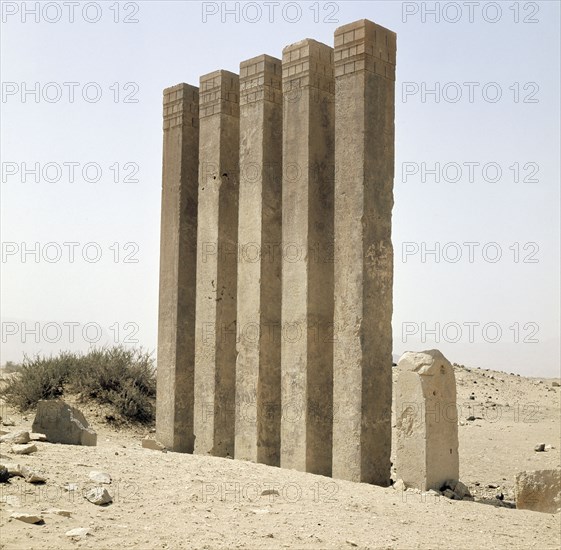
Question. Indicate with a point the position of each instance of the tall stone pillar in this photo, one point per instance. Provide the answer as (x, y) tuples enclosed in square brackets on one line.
[(365, 56), (258, 372), (215, 342), (178, 252), (307, 270)]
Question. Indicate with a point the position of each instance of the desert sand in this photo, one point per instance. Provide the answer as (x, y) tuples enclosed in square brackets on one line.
[(171, 500)]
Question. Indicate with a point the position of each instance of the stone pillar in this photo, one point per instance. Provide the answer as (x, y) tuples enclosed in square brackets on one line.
[(427, 421), (365, 56), (215, 342), (178, 252), (258, 372), (307, 246)]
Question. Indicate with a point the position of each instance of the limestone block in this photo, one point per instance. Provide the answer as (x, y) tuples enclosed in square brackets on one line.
[(62, 423), (538, 490), (427, 423)]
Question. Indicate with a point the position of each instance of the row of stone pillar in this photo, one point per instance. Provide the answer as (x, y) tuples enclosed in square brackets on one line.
[(276, 260)]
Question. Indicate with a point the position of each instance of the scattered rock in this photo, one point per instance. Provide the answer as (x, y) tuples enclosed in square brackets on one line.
[(555, 384), (25, 449), (99, 496), (351, 542), (470, 418), (538, 490), (8, 422), (492, 486), (100, 477), (4, 474), (448, 493), (549, 447), (267, 492), (78, 533), (461, 489), (399, 485), (71, 487), (32, 476), (27, 518), (62, 423), (16, 438), (540, 448), (500, 496), (148, 443), (37, 437)]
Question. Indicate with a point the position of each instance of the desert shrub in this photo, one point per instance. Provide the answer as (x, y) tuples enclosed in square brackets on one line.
[(119, 376), (123, 378), (37, 378)]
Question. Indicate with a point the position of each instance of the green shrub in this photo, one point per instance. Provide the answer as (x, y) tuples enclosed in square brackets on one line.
[(123, 378)]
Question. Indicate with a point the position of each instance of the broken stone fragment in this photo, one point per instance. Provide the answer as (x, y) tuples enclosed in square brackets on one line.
[(99, 496), (100, 477), (16, 438), (27, 518), (149, 443), (538, 490), (62, 423), (25, 449), (78, 533)]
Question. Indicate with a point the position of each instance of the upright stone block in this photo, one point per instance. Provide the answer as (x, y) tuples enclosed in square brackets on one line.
[(307, 270), (215, 342), (178, 245), (365, 56), (427, 421), (258, 372)]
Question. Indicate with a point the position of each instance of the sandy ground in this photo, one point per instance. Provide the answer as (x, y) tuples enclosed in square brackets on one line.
[(170, 500)]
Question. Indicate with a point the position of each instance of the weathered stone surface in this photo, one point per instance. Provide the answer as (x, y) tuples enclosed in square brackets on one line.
[(427, 423), (100, 477), (17, 438), (98, 496), (27, 518), (365, 57), (307, 269), (62, 423), (148, 443), (538, 490), (258, 373), (217, 241), (178, 256)]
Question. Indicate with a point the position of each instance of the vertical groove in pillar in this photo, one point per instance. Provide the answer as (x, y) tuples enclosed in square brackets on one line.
[(215, 349), (307, 269), (365, 57), (178, 245), (259, 262)]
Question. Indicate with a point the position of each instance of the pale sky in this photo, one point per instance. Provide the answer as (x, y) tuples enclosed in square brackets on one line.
[(477, 99)]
